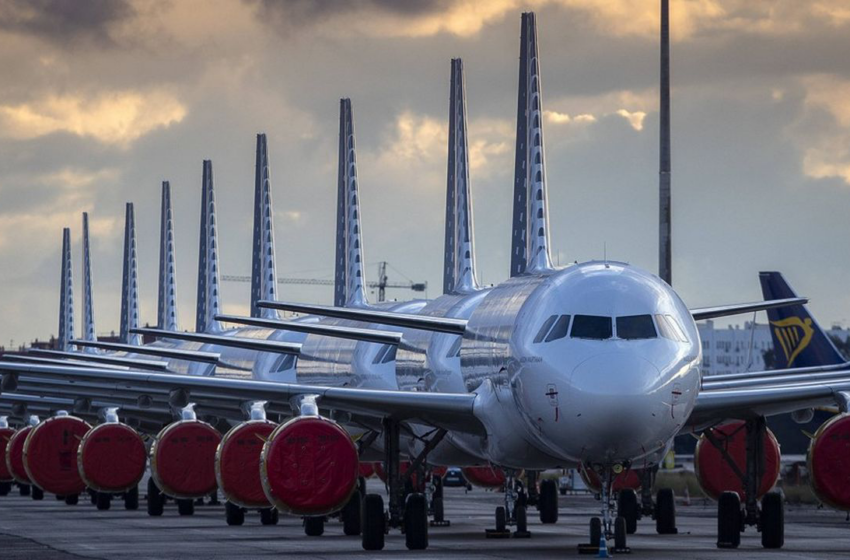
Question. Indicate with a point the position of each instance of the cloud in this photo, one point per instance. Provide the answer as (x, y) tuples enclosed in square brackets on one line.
[(65, 22), (109, 117), (635, 118), (555, 117), (822, 131)]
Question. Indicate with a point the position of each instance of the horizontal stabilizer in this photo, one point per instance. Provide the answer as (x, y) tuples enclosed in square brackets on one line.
[(135, 363), (221, 340), (172, 353), (351, 333), (435, 324), (702, 313)]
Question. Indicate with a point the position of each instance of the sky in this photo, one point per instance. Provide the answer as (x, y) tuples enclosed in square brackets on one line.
[(101, 100)]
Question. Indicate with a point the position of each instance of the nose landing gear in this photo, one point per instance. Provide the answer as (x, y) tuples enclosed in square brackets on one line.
[(610, 527), (514, 512)]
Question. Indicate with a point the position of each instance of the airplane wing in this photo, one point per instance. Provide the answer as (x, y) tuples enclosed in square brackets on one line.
[(236, 342), (701, 313), (173, 353), (351, 333)]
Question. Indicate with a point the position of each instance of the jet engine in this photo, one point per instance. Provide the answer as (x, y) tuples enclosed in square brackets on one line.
[(50, 451), (5, 436), (309, 466), (237, 463), (714, 473), (367, 470), (485, 477), (15, 455), (627, 480), (112, 458), (829, 462), (183, 459)]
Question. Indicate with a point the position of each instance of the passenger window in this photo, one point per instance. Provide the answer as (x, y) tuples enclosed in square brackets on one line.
[(545, 329), (560, 328), (670, 328), (593, 327), (635, 327)]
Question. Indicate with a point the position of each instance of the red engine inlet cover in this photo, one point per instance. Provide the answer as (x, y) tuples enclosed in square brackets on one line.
[(15, 455), (309, 466), (714, 474), (183, 459), (367, 470), (829, 462), (112, 458), (50, 454), (237, 463), (486, 477), (5, 435), (626, 480)]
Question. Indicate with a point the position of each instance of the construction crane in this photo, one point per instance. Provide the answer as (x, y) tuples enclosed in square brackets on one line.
[(381, 284)]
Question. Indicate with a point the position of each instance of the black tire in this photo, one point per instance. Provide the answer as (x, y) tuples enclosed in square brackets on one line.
[(60, 498), (186, 507), (627, 508), (439, 510), (729, 520), (665, 512), (521, 514), (156, 499), (5, 488), (268, 516), (104, 501), (548, 501), (37, 493), (772, 520), (233, 514), (501, 519), (416, 522), (92, 497), (24, 489), (72, 499), (351, 515), (620, 530), (314, 526), (595, 531), (131, 499), (374, 522)]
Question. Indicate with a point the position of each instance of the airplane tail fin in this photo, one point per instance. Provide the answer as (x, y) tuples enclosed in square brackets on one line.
[(349, 289), (129, 282), (166, 316), (459, 268), (88, 300), (264, 271), (209, 280), (66, 294), (798, 340)]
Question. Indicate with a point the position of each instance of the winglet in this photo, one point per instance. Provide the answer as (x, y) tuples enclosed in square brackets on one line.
[(129, 282), (349, 290), (166, 317), (66, 294), (88, 300), (263, 273), (459, 268), (209, 281)]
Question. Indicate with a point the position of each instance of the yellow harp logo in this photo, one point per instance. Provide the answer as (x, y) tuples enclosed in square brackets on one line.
[(794, 335)]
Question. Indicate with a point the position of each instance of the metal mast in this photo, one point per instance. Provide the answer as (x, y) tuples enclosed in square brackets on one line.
[(665, 255)]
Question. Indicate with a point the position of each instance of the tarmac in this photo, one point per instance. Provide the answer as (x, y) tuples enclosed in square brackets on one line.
[(52, 530)]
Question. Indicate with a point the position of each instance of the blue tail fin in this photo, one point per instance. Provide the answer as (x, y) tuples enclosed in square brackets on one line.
[(798, 340)]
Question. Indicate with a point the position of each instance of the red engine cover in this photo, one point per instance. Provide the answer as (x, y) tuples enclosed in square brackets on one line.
[(439, 471), (309, 466), (715, 476), (237, 463), (112, 458), (15, 455), (829, 462), (50, 454), (628, 479), (486, 477), (5, 435), (367, 470), (183, 459)]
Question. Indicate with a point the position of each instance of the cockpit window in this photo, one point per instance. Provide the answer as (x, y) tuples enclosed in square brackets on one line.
[(389, 355), (382, 352), (560, 328), (635, 327), (545, 329), (285, 363), (670, 328), (454, 351), (594, 327)]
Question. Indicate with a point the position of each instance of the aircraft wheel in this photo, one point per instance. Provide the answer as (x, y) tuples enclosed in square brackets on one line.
[(665, 512), (416, 522), (521, 514), (351, 515), (772, 520), (620, 530), (156, 499), (374, 522), (37, 493), (131, 498), (104, 501), (92, 496), (501, 519), (60, 498), (314, 526), (72, 499), (627, 508), (268, 516), (233, 514), (729, 520), (5, 488), (595, 531), (548, 502), (186, 507), (24, 489)]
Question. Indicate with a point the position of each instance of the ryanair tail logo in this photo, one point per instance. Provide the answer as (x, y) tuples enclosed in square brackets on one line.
[(794, 335)]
